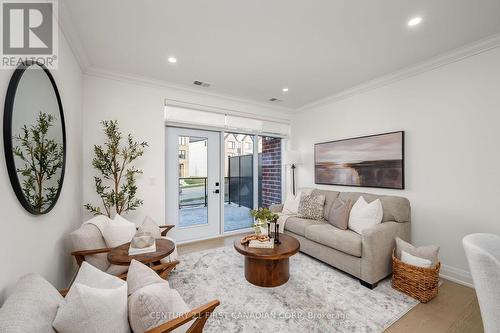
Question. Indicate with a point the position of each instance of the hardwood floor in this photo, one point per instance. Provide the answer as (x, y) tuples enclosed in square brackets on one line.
[(454, 310)]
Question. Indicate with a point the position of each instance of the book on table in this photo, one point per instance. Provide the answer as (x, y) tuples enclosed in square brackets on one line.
[(269, 244), (134, 251)]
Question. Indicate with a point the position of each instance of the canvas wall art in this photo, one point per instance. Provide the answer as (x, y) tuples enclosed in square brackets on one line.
[(369, 161)]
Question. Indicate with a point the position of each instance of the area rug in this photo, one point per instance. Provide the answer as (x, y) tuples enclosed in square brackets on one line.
[(317, 298)]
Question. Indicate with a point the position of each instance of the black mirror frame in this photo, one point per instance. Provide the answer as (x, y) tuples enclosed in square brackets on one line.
[(7, 134)]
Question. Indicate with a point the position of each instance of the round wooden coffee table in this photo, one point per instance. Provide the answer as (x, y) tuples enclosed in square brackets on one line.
[(119, 255), (268, 267)]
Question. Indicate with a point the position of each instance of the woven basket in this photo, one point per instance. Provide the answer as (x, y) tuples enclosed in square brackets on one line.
[(418, 282)]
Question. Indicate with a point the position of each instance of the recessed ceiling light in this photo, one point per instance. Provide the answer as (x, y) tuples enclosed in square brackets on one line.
[(285, 89), (172, 60), (414, 21)]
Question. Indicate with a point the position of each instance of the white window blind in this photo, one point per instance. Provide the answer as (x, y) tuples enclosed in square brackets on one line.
[(221, 121)]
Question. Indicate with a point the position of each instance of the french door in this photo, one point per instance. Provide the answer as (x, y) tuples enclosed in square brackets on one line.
[(193, 184)]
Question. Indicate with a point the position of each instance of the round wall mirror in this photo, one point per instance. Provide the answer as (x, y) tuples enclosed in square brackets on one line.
[(34, 137)]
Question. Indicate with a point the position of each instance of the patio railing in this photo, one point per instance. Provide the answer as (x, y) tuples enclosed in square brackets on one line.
[(193, 191)]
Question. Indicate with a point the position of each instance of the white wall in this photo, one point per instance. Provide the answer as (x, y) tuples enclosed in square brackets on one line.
[(40, 244), (451, 116), (139, 108)]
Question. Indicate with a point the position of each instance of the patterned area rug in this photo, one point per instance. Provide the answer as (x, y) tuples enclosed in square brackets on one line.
[(317, 298)]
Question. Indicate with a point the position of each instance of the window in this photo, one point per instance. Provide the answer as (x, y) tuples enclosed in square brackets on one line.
[(182, 154), (248, 146), (183, 140), (231, 145)]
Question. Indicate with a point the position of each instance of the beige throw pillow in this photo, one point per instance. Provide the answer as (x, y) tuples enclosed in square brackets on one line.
[(151, 300), (311, 206), (429, 252), (339, 214)]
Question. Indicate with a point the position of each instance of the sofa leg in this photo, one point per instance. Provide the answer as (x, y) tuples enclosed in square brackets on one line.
[(368, 285)]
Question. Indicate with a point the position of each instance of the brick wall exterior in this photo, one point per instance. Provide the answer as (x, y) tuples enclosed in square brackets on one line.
[(271, 171)]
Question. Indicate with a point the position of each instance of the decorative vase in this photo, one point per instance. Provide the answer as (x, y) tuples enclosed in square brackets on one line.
[(142, 240), (260, 227)]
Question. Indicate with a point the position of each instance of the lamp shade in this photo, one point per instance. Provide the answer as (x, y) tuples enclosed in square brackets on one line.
[(292, 157)]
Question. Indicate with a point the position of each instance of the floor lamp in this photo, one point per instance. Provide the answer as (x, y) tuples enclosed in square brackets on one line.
[(292, 158)]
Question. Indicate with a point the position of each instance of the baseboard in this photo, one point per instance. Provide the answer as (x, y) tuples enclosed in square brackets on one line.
[(457, 275)]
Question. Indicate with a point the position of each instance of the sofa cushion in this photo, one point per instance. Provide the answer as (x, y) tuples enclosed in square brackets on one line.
[(96, 302), (31, 307), (339, 214), (395, 208), (330, 197), (298, 225), (118, 231), (154, 305), (91, 310), (89, 237), (140, 276), (312, 206), (365, 215), (346, 241)]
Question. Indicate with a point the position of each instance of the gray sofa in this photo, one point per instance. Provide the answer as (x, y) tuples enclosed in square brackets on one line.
[(366, 256)]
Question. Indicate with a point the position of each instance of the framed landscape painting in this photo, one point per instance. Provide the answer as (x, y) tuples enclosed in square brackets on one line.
[(368, 161)]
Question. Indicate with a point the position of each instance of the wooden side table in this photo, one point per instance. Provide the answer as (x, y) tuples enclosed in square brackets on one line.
[(119, 255)]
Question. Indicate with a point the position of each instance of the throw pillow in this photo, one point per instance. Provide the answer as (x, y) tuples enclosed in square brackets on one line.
[(292, 202), (118, 231), (96, 302), (140, 275), (31, 307), (364, 215), (339, 214), (311, 206), (415, 261), (149, 225), (153, 305), (429, 252), (93, 277)]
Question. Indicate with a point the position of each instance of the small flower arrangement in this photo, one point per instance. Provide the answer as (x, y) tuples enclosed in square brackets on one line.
[(262, 216)]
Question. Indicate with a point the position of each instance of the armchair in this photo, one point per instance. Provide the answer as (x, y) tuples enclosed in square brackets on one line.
[(199, 314), (89, 245)]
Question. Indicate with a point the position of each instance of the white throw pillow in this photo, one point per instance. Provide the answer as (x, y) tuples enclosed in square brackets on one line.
[(364, 215), (118, 231), (93, 277), (96, 302), (292, 202), (415, 261)]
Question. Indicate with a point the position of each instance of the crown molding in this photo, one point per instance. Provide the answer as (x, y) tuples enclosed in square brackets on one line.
[(282, 112), (444, 59)]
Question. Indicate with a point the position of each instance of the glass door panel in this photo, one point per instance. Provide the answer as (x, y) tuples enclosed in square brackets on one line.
[(193, 194), (238, 181), (193, 190)]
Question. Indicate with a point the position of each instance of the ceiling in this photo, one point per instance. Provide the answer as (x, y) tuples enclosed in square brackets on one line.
[(252, 49)]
